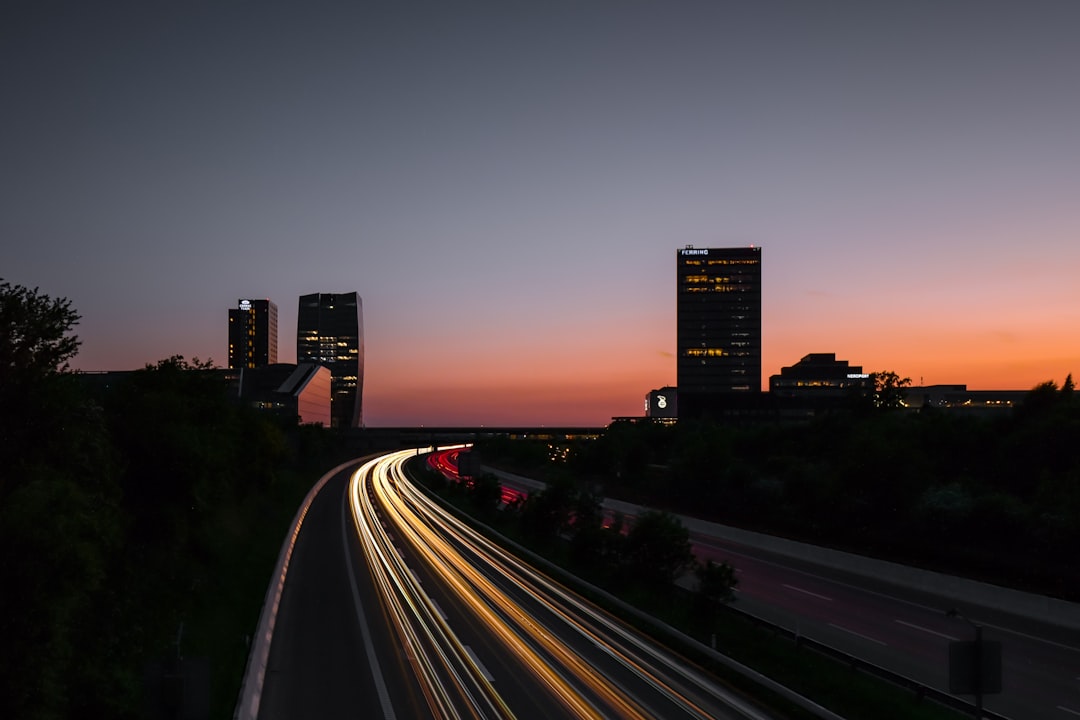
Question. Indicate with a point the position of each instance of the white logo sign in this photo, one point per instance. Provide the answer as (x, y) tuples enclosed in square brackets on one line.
[(245, 305), (661, 402)]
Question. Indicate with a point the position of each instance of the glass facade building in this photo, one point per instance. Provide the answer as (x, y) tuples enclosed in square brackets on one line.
[(718, 310), (253, 334), (330, 331)]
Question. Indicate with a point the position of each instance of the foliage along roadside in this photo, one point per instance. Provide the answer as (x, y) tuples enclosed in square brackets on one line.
[(136, 524), (993, 498)]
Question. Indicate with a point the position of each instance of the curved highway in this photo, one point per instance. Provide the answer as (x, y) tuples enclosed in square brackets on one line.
[(484, 635), (384, 605)]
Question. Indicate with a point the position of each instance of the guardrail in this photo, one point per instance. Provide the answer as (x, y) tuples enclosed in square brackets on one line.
[(624, 607), (918, 689), (251, 686), (805, 552)]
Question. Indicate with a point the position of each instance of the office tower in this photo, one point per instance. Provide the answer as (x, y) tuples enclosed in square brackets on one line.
[(719, 327), (253, 334), (330, 331)]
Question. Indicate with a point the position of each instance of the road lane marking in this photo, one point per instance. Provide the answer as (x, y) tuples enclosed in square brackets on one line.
[(858, 634), (605, 649), (369, 646), (701, 540), (1069, 710), (479, 665), (927, 630), (807, 592)]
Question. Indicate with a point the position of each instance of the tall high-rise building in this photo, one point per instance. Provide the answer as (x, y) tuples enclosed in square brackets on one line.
[(330, 331), (253, 336), (719, 326)]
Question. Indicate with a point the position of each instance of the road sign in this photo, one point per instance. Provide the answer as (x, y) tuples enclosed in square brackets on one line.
[(974, 667)]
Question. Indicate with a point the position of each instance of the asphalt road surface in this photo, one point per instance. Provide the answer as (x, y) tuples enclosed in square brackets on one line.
[(392, 608), (902, 630)]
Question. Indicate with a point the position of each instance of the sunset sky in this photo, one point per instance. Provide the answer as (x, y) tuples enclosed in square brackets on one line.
[(506, 185)]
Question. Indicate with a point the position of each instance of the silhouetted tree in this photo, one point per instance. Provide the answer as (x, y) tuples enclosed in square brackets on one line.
[(1046, 400), (716, 583), (59, 524), (889, 390), (35, 333), (36, 343), (657, 549), (613, 541), (547, 513), (433, 478), (485, 493), (587, 529)]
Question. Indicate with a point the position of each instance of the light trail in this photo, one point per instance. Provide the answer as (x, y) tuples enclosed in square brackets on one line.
[(588, 662)]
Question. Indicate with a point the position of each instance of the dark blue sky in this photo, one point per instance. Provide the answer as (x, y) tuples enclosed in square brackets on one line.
[(506, 183)]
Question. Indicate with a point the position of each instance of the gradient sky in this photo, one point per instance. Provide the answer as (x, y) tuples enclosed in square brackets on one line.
[(506, 184)]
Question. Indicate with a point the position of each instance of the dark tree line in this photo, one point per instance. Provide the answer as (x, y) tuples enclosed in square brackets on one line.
[(992, 497), (115, 508), (647, 553)]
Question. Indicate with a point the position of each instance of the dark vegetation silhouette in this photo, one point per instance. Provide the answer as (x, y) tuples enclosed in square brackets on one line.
[(995, 498), (123, 516), (566, 522)]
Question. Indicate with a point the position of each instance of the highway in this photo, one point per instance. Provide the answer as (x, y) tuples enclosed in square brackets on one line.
[(386, 606), (394, 609), (487, 636), (904, 631)]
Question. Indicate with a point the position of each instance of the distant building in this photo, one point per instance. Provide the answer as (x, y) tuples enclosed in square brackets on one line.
[(662, 403), (957, 398), (820, 376), (718, 345), (330, 331), (309, 389), (253, 335), (297, 393)]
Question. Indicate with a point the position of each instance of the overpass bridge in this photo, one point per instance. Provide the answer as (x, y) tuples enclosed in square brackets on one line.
[(393, 438)]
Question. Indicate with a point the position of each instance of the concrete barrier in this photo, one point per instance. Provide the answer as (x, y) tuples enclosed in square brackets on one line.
[(251, 686)]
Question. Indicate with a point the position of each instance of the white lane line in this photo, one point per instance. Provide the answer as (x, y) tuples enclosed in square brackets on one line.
[(1069, 710), (704, 539), (369, 647), (605, 649), (927, 630), (807, 592), (479, 665), (858, 634)]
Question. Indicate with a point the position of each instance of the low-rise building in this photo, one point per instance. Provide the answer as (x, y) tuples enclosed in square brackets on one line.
[(820, 376)]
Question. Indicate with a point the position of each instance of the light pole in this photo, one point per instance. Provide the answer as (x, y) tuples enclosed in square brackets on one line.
[(977, 659)]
